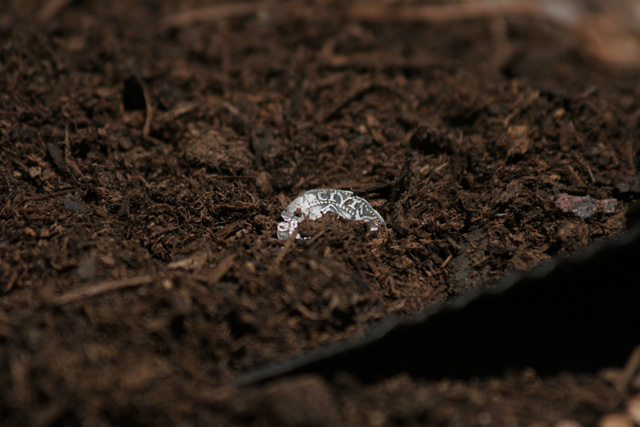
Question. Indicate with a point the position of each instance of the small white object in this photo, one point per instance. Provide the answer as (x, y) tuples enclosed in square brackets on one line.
[(315, 203)]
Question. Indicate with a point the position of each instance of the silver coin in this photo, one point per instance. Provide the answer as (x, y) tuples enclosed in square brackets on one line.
[(315, 203)]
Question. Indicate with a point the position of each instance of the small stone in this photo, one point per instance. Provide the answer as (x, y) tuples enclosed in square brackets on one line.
[(125, 144), (585, 206), (86, 268), (609, 205), (263, 182), (72, 205), (35, 171), (519, 141)]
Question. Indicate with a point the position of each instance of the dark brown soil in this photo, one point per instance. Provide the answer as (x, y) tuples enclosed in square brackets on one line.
[(146, 155)]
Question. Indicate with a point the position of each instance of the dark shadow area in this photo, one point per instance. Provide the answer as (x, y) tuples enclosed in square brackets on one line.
[(578, 314)]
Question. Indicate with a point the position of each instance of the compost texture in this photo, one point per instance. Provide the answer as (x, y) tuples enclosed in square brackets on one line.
[(148, 148)]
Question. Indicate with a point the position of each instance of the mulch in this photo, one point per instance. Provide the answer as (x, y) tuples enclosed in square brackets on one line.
[(148, 148)]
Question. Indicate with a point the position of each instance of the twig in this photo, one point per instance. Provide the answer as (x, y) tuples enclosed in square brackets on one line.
[(576, 178), (446, 261), (211, 13), (525, 101), (346, 100), (285, 249), (444, 12), (102, 288), (375, 62), (218, 273), (148, 116), (317, 236), (12, 281), (51, 9), (622, 378), (231, 177), (630, 370), (585, 165), (366, 12)]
